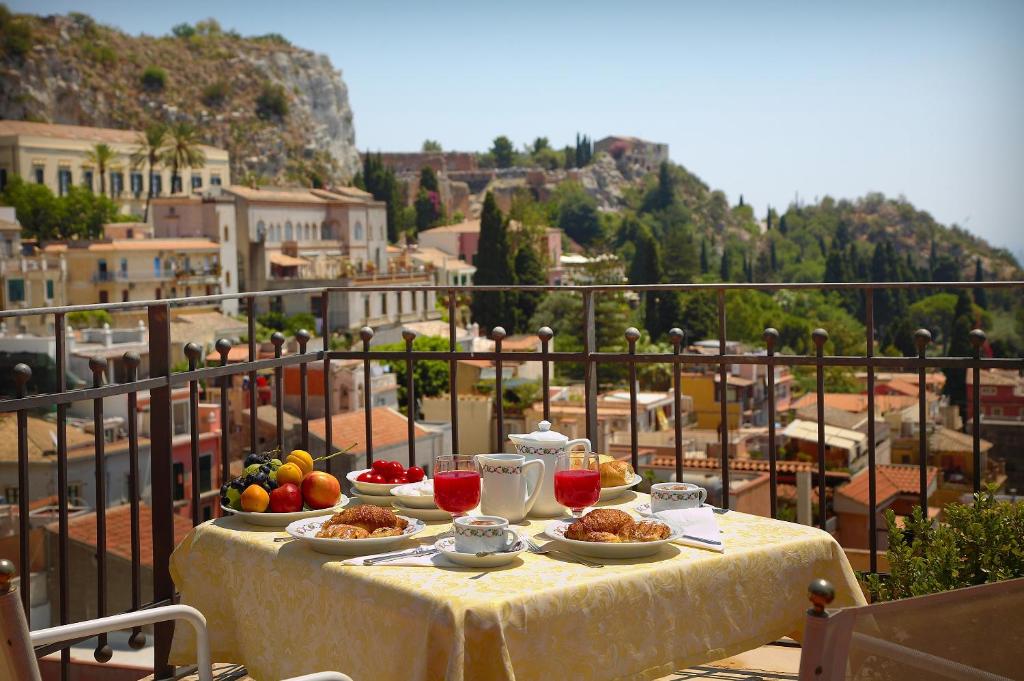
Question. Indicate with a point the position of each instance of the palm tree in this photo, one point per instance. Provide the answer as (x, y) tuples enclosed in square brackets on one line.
[(101, 156), (182, 151), (150, 147)]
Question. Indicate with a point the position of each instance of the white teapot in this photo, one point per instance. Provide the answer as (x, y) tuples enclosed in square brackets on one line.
[(545, 445)]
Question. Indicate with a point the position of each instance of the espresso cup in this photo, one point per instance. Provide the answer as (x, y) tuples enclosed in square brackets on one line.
[(483, 533), (669, 495)]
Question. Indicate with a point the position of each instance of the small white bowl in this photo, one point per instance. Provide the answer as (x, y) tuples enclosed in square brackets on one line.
[(428, 514), (385, 500), (377, 488), (412, 494)]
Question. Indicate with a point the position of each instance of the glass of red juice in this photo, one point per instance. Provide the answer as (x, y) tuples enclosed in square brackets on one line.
[(456, 484), (577, 481)]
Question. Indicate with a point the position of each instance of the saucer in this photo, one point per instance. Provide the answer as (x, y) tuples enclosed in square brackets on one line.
[(644, 509), (447, 548), (421, 513)]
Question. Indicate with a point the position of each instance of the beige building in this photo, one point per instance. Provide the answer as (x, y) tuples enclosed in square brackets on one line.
[(56, 155), (115, 270), (27, 279)]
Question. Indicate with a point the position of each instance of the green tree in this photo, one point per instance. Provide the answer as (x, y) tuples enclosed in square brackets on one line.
[(704, 264), (101, 156), (577, 215), (431, 146), (37, 207), (149, 152), (725, 266), (182, 150), (380, 181), (430, 376), (529, 270), (700, 315), (960, 346), (15, 34), (663, 194), (82, 214), (428, 179), (503, 151), (493, 267), (154, 78)]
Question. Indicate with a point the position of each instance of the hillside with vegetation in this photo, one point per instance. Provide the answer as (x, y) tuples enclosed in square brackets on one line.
[(281, 111)]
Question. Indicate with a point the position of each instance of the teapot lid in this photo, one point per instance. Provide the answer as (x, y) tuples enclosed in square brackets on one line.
[(545, 434)]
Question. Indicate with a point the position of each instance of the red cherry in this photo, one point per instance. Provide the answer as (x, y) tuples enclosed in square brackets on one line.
[(364, 477), (381, 467), (415, 473)]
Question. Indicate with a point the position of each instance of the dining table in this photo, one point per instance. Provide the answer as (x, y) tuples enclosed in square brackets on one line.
[(282, 610)]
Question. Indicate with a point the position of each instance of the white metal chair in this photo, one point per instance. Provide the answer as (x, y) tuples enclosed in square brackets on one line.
[(18, 660), (971, 634)]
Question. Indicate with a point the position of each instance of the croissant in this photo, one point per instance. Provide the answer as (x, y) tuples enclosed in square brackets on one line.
[(340, 531), (615, 473), (648, 530), (613, 526), (369, 518)]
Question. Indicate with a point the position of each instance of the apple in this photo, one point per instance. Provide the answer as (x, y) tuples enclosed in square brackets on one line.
[(320, 490), (286, 498)]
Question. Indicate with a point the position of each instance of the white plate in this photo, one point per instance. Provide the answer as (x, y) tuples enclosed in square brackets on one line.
[(375, 500), (644, 509), (377, 488), (409, 499), (268, 519), (447, 548), (305, 531), (617, 491), (636, 549), (428, 514)]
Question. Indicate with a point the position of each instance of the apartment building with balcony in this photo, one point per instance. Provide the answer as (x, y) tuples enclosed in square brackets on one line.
[(116, 270), (28, 278), (57, 156)]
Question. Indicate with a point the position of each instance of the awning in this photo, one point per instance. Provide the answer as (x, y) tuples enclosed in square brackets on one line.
[(287, 260)]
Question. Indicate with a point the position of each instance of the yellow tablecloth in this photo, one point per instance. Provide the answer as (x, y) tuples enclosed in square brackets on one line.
[(283, 610)]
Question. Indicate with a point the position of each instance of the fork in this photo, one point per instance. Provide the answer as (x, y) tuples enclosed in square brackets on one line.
[(532, 547)]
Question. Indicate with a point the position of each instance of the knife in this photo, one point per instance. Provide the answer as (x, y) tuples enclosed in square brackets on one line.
[(701, 539), (411, 553)]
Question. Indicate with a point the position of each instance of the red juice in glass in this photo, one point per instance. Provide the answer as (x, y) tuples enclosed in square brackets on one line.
[(457, 491), (577, 488)]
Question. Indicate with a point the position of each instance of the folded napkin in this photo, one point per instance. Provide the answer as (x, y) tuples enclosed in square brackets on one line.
[(698, 525)]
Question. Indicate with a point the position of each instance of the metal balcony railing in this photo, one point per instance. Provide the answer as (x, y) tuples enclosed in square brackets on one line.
[(162, 381)]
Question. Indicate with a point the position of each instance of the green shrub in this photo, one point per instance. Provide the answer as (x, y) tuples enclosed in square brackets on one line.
[(99, 53), (273, 38), (154, 78), (183, 30), (15, 34), (272, 102), (92, 319), (978, 543), (215, 93)]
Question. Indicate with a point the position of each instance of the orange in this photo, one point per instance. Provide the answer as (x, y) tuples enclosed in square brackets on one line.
[(255, 499), (301, 459), (289, 472)]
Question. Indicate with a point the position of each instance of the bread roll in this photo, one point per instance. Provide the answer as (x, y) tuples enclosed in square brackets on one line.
[(615, 473)]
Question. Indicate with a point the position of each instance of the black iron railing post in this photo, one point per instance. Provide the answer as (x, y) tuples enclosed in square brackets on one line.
[(325, 328), (137, 640), (302, 338), (161, 475), (590, 365), (22, 375), (223, 347), (977, 341), (869, 323), (98, 366), (545, 334), (820, 336), (678, 338), (192, 352), (453, 368), (632, 336), (366, 335), (771, 337), (250, 304), (277, 340), (408, 335), (497, 335), (60, 337), (922, 337), (723, 384)]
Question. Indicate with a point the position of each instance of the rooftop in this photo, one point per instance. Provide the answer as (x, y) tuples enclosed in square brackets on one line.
[(857, 402), (349, 428), (834, 417), (75, 133), (841, 438), (115, 245), (42, 440), (890, 480), (82, 529)]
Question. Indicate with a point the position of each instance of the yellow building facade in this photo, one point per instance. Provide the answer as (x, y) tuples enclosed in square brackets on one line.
[(57, 156)]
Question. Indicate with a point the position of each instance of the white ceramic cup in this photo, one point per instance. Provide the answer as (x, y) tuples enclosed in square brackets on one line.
[(669, 495), (510, 484), (477, 533)]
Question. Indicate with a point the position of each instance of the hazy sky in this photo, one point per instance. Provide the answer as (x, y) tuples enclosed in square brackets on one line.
[(765, 99)]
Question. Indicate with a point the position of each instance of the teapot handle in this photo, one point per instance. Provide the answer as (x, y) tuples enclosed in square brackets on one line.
[(579, 441)]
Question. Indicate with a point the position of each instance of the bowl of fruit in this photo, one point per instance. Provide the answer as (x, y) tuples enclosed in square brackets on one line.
[(274, 493), (383, 476)]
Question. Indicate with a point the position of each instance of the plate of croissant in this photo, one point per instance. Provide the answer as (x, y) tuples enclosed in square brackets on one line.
[(611, 533), (355, 531), (616, 478)]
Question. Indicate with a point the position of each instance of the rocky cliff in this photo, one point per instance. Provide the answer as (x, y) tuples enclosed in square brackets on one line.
[(281, 111)]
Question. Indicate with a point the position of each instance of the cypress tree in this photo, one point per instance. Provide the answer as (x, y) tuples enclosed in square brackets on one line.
[(773, 258), (665, 193), (782, 224), (704, 266), (428, 179), (980, 295), (493, 266), (646, 269), (959, 346), (529, 270), (725, 267)]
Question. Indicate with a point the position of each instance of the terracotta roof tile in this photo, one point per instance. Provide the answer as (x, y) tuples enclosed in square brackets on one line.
[(389, 428), (856, 402), (42, 440), (890, 480), (119, 531), (74, 132)]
